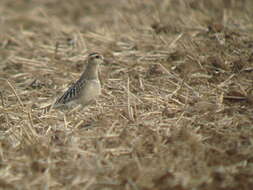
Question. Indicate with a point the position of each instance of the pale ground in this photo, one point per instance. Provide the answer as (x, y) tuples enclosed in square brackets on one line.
[(176, 109)]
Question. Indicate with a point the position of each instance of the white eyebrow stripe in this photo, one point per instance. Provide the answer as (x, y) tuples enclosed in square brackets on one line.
[(93, 54)]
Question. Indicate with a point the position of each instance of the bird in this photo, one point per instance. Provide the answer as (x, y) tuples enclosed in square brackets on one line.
[(86, 89)]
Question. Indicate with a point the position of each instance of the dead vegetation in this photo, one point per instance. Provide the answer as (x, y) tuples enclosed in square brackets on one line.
[(176, 109)]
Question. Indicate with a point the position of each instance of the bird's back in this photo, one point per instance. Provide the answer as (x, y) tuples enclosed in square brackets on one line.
[(73, 93)]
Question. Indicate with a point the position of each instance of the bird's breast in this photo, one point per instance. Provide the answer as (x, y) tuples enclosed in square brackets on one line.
[(91, 91)]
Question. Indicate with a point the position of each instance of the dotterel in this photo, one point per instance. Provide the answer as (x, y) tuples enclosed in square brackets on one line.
[(87, 88)]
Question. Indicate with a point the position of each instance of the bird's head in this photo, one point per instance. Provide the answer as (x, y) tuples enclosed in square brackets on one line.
[(95, 58)]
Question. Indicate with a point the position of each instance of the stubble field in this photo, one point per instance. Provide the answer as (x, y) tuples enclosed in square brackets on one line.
[(176, 110)]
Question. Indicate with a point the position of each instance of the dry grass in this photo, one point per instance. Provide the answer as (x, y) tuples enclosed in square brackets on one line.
[(176, 109)]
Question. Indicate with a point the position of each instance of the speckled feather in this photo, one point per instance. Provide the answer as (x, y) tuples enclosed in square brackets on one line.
[(72, 93)]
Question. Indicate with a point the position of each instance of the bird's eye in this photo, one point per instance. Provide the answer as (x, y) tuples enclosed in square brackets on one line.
[(97, 57)]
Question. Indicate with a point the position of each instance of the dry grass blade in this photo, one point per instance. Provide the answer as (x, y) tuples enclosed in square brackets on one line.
[(15, 93), (129, 107)]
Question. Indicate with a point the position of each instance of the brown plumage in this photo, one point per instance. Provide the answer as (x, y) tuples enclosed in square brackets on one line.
[(87, 88)]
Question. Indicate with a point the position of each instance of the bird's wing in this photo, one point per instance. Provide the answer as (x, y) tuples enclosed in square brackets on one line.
[(72, 93)]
